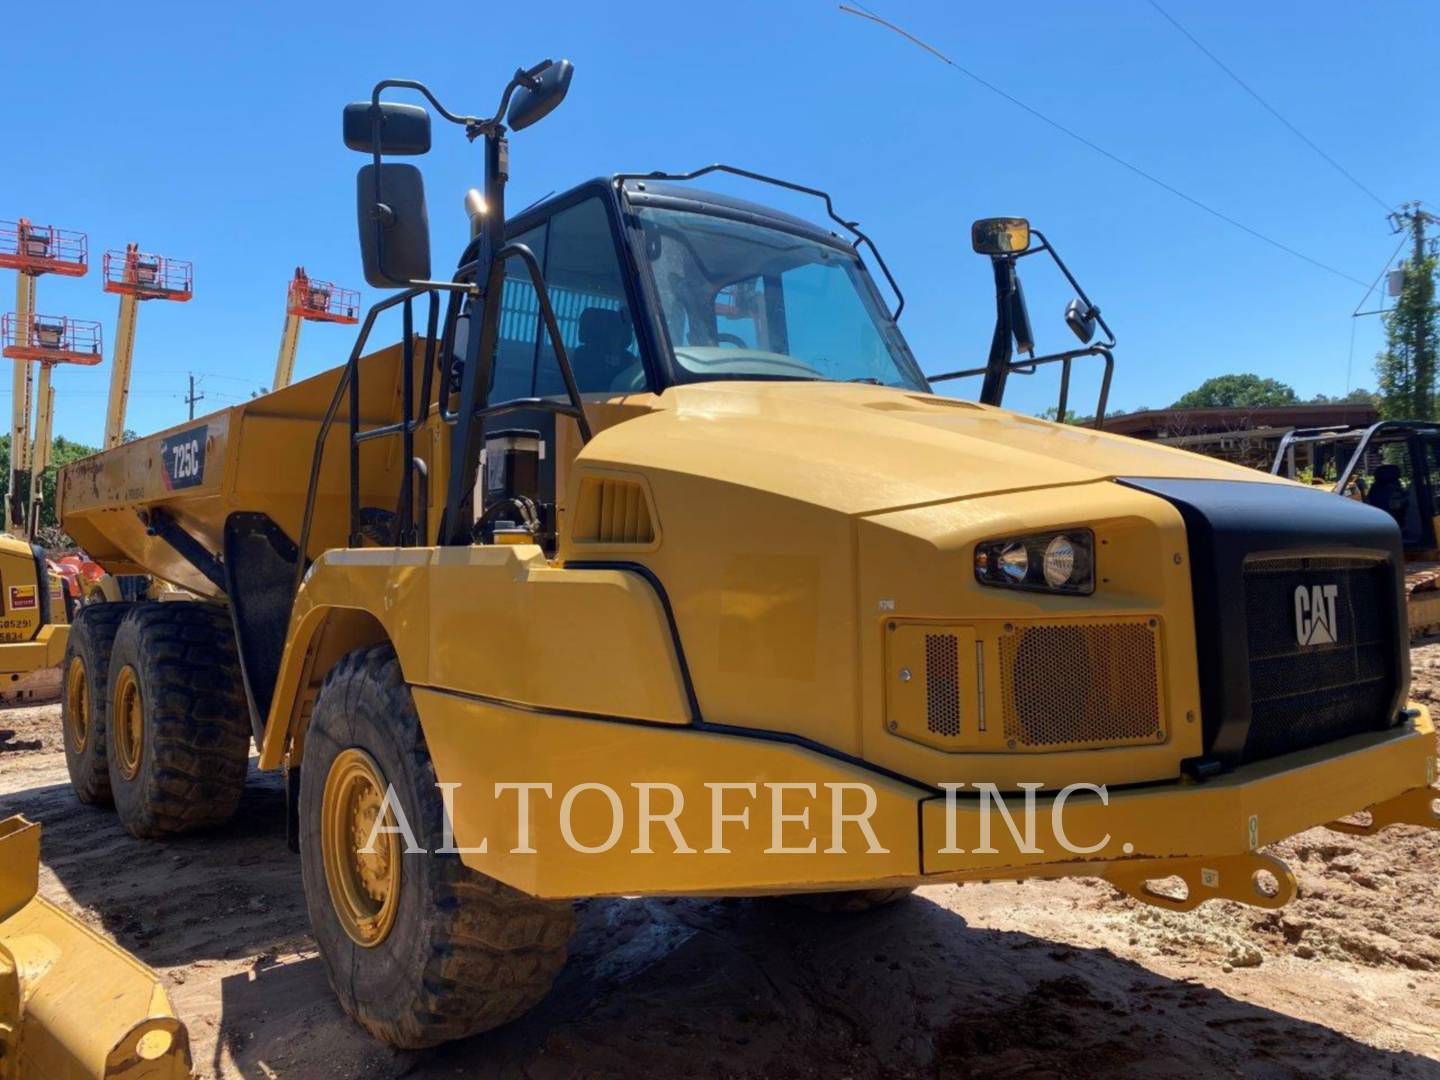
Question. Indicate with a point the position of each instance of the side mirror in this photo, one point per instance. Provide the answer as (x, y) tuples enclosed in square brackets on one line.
[(529, 106), (404, 129), (395, 228), (1000, 236), (1081, 320)]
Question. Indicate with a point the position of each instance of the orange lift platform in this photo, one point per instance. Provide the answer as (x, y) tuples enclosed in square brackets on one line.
[(311, 300), (136, 275), (31, 250), (46, 340)]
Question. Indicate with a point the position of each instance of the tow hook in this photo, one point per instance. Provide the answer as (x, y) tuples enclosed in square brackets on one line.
[(1414, 807), (1259, 880)]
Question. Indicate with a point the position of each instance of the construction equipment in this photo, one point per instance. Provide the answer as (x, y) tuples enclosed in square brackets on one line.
[(650, 526), (33, 620), (46, 340), (1393, 465), (310, 300), (136, 275), (73, 1005), (32, 250)]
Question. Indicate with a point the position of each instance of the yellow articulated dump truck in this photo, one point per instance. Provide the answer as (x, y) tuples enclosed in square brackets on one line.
[(648, 562)]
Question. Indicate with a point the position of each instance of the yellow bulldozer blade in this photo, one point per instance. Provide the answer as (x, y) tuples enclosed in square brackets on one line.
[(73, 1006)]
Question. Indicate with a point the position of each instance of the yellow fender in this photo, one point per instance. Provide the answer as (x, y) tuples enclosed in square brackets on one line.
[(73, 1005)]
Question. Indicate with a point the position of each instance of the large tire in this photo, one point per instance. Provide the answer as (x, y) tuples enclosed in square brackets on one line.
[(418, 948), (177, 720), (849, 902), (85, 676)]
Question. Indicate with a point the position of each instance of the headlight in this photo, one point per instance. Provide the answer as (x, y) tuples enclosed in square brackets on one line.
[(1061, 561)]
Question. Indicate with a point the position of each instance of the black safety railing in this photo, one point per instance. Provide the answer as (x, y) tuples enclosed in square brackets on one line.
[(406, 528), (410, 523)]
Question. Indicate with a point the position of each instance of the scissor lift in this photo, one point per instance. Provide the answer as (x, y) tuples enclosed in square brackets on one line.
[(136, 275), (46, 340), (310, 300), (32, 250)]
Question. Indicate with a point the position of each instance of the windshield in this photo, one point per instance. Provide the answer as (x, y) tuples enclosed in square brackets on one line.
[(743, 301)]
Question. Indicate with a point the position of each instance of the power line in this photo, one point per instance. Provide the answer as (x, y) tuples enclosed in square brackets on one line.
[(1268, 107), (865, 13)]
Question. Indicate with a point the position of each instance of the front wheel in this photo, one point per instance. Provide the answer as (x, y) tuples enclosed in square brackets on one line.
[(418, 948)]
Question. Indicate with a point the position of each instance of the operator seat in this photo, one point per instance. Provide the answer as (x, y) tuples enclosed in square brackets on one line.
[(1390, 494), (604, 349)]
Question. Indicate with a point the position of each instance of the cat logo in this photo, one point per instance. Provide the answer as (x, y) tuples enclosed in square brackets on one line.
[(1315, 620), (22, 597)]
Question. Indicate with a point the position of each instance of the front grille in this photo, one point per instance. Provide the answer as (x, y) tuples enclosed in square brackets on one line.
[(1081, 684), (1314, 678)]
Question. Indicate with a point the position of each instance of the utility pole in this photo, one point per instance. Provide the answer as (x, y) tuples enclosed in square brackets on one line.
[(193, 397), (1407, 369)]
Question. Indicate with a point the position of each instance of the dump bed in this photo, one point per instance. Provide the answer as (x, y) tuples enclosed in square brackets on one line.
[(125, 505)]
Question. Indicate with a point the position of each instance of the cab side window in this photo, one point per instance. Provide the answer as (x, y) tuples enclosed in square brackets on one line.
[(587, 291), (515, 344)]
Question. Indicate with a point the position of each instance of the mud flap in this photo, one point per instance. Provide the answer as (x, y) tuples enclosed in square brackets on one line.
[(73, 1005)]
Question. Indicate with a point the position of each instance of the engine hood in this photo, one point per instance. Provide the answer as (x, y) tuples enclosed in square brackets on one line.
[(861, 449)]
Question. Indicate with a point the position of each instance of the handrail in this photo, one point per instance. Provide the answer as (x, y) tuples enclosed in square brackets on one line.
[(348, 381)]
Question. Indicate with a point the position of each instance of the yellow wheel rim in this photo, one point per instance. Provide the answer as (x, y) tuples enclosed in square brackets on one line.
[(77, 705), (364, 885), (128, 723)]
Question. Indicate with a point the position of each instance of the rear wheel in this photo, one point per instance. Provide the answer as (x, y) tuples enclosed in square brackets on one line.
[(418, 948), (179, 730), (848, 902), (83, 700)]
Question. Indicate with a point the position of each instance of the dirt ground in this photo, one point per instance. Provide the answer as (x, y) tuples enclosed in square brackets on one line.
[(1064, 979)]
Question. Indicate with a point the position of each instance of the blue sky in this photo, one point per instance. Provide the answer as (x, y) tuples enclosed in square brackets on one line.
[(211, 132)]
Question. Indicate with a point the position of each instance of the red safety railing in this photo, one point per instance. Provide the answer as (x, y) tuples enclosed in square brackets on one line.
[(52, 339), (321, 301), (43, 249), (150, 277)]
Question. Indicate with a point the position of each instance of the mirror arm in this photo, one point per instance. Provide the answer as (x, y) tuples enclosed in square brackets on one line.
[(1092, 310)]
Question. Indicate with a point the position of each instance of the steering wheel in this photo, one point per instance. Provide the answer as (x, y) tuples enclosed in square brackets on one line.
[(723, 338)]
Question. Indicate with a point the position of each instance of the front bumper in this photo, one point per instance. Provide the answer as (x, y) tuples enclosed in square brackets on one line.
[(47, 650), (921, 837)]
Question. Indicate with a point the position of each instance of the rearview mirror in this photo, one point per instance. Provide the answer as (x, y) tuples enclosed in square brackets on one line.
[(531, 105), (1081, 320), (1000, 236), (404, 129), (395, 228)]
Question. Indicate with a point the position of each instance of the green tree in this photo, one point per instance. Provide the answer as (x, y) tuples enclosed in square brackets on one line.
[(62, 452), (1405, 371), (1243, 391)]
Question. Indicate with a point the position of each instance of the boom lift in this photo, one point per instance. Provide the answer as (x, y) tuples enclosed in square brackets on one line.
[(45, 340), (136, 275), (651, 511), (310, 300), (31, 250)]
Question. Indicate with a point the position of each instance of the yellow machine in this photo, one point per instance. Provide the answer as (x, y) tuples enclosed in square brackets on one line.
[(648, 562), (73, 1006), (1394, 466), (33, 627)]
